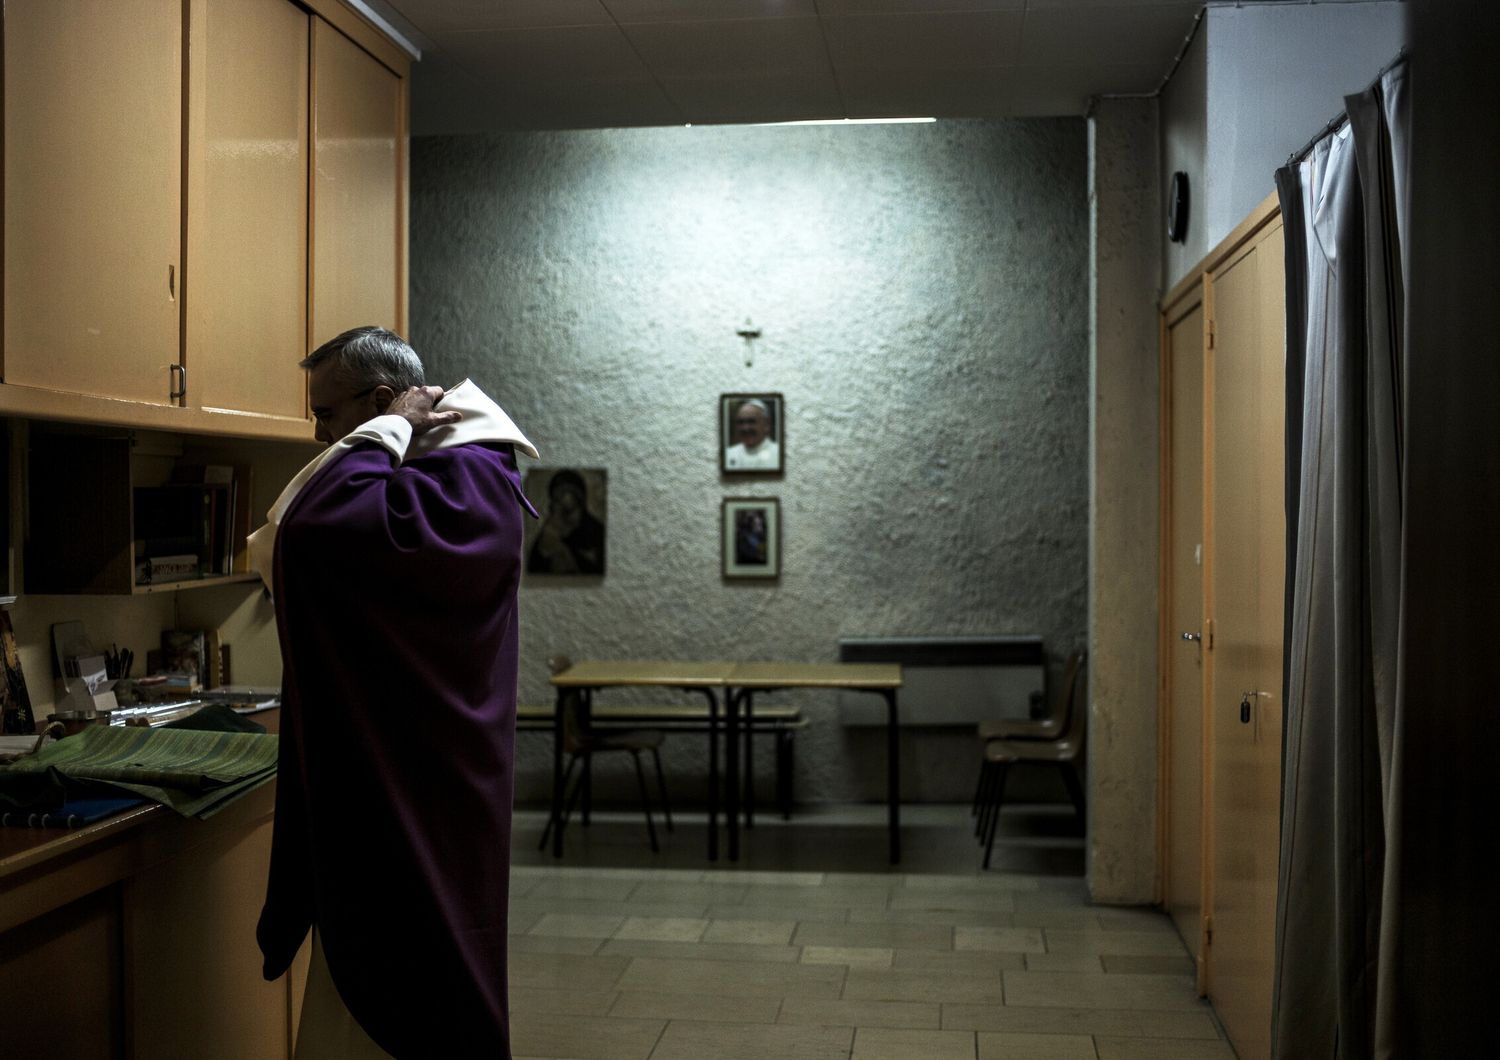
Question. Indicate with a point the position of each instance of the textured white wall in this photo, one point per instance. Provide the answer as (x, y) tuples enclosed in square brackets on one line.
[(923, 294)]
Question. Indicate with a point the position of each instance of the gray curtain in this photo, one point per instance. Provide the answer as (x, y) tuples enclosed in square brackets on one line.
[(1344, 211)]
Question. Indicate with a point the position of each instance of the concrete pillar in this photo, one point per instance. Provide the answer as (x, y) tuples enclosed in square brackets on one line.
[(1125, 215)]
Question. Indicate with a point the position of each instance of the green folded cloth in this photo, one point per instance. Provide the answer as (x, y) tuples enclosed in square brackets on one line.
[(195, 773)]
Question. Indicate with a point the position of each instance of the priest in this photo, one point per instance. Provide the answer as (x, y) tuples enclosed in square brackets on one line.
[(393, 561)]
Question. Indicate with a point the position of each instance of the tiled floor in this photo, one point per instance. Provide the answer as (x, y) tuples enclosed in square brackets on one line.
[(698, 963)]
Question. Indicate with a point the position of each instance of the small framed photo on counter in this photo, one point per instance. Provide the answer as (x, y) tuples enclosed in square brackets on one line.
[(752, 434), (752, 537)]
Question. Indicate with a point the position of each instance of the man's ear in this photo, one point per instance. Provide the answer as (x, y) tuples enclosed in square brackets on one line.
[(383, 396)]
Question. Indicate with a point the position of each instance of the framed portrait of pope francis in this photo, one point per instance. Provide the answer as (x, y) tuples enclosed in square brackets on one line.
[(752, 434)]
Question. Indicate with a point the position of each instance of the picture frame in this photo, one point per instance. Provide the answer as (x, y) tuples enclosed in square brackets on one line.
[(752, 434), (750, 529), (569, 537)]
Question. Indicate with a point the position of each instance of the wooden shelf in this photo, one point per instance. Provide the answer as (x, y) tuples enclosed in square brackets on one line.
[(196, 583)]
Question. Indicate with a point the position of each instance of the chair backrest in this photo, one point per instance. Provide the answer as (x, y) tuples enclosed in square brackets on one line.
[(575, 727), (1073, 703)]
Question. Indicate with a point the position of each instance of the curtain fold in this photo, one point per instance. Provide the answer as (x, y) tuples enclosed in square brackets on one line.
[(1344, 212)]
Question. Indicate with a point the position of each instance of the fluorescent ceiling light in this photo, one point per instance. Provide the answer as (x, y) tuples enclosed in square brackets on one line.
[(849, 121)]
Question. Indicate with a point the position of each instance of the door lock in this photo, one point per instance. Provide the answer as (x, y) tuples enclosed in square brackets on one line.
[(1192, 636), (1245, 705)]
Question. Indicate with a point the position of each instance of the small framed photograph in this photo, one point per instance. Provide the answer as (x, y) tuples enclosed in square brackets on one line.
[(752, 537), (569, 536), (752, 434)]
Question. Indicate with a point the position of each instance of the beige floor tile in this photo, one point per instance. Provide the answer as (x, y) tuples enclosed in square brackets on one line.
[(847, 896), (870, 984), (1020, 1019), (1063, 962), (1035, 1046), (577, 926), (913, 1015), (876, 1043), (1162, 1049), (948, 917), (522, 921), (689, 1040), (689, 892), (730, 874), (864, 879), (519, 885), (702, 951), (751, 910), (584, 907), (1132, 965), (584, 1037), (562, 971), (532, 1001), (989, 881), (935, 898), (1135, 919), (1073, 990), (732, 979), (904, 936), (594, 888), (648, 1004), (1071, 919), (943, 962), (1115, 943), (554, 944), (850, 956), (1052, 898), (662, 929), (999, 940), (763, 932)]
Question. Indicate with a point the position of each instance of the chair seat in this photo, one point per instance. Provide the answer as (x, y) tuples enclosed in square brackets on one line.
[(629, 740), (1020, 729), (1011, 751)]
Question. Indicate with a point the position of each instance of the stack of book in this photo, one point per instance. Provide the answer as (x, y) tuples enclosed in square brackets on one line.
[(194, 526)]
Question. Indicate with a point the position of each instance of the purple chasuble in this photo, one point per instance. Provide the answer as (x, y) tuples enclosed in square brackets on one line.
[(395, 591)]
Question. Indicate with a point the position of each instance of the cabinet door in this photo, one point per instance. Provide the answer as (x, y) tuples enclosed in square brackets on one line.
[(358, 158), (93, 195), (247, 208)]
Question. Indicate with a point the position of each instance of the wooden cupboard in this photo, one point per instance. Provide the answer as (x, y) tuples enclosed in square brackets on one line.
[(358, 218), (1223, 371), (93, 203), (197, 186)]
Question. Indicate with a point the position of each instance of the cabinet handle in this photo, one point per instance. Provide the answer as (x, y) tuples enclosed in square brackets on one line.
[(179, 381), (172, 282)]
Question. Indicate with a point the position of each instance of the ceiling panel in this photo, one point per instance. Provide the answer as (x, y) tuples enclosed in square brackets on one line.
[(918, 7), (1103, 36), (924, 42), (578, 53), (755, 99), (599, 105), (708, 10), (749, 48), (437, 16)]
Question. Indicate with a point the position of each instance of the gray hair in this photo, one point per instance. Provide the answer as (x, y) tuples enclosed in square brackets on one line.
[(371, 357)]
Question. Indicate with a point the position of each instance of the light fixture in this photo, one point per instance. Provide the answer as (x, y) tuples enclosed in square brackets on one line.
[(848, 121)]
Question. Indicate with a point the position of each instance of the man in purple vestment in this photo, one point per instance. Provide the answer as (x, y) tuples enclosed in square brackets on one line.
[(393, 560)]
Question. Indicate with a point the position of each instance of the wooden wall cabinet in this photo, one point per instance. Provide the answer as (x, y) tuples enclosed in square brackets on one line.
[(197, 192)]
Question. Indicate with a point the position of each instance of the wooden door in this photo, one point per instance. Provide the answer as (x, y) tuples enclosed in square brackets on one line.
[(1245, 573), (358, 192), (93, 196), (1183, 669), (247, 207)]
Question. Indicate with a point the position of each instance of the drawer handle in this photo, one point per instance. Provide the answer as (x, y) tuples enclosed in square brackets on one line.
[(179, 381)]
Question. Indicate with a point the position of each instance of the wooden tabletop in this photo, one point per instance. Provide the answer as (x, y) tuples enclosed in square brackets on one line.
[(628, 673), (860, 676), (662, 674)]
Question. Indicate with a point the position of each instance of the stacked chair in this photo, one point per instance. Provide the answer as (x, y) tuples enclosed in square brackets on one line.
[(582, 742), (1055, 740)]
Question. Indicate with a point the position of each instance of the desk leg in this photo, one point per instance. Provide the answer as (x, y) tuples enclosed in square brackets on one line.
[(713, 774), (732, 700), (557, 775), (893, 774), (748, 699)]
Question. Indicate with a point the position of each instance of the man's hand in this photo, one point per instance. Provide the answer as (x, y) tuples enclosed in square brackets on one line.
[(416, 407)]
